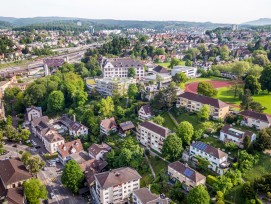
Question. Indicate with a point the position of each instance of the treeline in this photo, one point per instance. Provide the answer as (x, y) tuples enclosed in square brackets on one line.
[(4, 24), (6, 45)]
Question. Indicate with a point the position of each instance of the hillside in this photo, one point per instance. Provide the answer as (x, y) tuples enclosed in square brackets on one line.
[(259, 22)]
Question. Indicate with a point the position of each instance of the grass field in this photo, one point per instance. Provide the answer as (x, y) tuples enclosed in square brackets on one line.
[(166, 64), (168, 122), (235, 195), (263, 167), (157, 164), (226, 95)]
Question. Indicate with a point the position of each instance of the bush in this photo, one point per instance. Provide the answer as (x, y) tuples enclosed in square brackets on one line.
[(20, 152), (50, 156), (147, 152), (211, 180)]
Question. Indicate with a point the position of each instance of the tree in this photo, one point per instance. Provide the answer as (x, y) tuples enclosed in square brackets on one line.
[(35, 164), (198, 195), (26, 156), (219, 196), (172, 147), (132, 72), (106, 106), (246, 160), (224, 52), (251, 83), (159, 120), (34, 190), (79, 98), (185, 131), (246, 100), (198, 134), (132, 91), (204, 112), (25, 134), (206, 89), (261, 60), (174, 62), (180, 78), (188, 63), (223, 184), (72, 177), (56, 102), (263, 141), (265, 78), (240, 68), (11, 133)]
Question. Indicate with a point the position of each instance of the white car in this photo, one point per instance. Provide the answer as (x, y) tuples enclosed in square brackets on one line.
[(57, 160), (52, 195)]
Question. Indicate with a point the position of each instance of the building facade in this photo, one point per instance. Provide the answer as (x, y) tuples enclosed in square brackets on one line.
[(152, 135), (190, 72), (194, 102), (119, 67), (254, 119), (52, 141), (145, 112), (33, 112), (116, 186), (218, 160)]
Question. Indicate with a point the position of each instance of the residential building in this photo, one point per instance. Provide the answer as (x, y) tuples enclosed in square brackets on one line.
[(97, 151), (163, 78), (12, 176), (145, 112), (194, 102), (232, 134), (188, 177), (118, 67), (160, 70), (218, 159), (117, 185), (254, 119), (108, 125), (125, 127), (74, 128), (92, 167), (152, 135), (66, 150), (33, 112), (144, 196), (112, 86), (40, 127), (190, 72), (52, 141)]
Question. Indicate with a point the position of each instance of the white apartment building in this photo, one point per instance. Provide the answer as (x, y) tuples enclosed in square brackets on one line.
[(51, 142), (116, 186), (111, 86), (232, 134), (254, 119), (189, 71), (33, 112), (152, 135), (118, 67), (218, 159)]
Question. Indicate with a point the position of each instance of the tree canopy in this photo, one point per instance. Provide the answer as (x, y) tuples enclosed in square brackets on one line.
[(34, 191)]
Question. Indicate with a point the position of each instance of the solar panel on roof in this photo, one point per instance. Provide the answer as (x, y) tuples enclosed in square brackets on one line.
[(188, 172)]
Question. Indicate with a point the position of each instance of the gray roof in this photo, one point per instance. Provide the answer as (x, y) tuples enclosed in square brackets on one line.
[(158, 129), (123, 62)]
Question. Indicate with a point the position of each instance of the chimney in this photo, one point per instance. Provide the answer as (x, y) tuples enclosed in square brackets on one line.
[(186, 165), (74, 118)]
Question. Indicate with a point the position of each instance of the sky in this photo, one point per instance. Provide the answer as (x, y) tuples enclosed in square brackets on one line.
[(217, 11)]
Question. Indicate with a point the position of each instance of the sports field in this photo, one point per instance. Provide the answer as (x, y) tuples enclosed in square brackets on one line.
[(192, 87)]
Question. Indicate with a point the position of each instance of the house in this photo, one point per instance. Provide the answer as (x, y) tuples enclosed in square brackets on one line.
[(190, 72), (254, 119), (112, 86), (108, 125), (124, 127), (116, 186), (145, 112), (40, 127), (66, 150), (52, 141), (194, 102), (92, 167), (232, 134), (12, 176), (152, 135), (188, 177), (119, 67), (33, 112), (75, 128), (144, 196), (218, 160), (97, 151), (160, 70)]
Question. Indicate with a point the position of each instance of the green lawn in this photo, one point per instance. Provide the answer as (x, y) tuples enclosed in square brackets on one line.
[(166, 64), (168, 122), (263, 167), (226, 95), (235, 195), (157, 164)]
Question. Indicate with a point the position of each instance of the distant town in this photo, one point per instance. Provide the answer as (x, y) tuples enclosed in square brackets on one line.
[(104, 114)]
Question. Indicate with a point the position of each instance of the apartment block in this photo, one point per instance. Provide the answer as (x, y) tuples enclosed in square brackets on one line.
[(189, 71), (114, 86), (118, 67), (218, 160), (194, 102), (152, 135), (116, 186), (187, 176)]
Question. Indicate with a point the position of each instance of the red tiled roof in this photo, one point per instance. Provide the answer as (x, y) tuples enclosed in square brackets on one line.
[(109, 123), (66, 149)]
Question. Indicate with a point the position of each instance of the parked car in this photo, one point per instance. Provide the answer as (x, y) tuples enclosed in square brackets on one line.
[(57, 160), (38, 147), (52, 195), (15, 145)]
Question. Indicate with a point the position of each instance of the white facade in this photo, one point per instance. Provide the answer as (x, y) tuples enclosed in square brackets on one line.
[(33, 112), (259, 124), (216, 164), (51, 147), (111, 86), (144, 113), (189, 71)]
